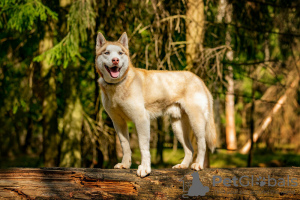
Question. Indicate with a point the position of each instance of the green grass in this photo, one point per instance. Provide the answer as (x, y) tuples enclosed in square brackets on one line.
[(170, 158), (221, 158), (224, 159)]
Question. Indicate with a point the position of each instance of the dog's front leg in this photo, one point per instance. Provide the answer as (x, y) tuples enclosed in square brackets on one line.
[(143, 130), (120, 126)]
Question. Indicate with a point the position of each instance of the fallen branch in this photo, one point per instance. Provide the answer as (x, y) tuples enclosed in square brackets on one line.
[(245, 149)]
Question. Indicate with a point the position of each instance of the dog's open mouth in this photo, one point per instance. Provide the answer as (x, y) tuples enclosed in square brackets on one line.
[(113, 71)]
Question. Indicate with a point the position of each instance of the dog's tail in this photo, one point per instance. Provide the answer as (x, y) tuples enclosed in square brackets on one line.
[(211, 134)]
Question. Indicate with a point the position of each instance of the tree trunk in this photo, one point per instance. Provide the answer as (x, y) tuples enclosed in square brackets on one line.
[(225, 10), (70, 150), (162, 129), (75, 183), (50, 125), (72, 121), (70, 140), (194, 30), (25, 147), (229, 110), (160, 141), (250, 156)]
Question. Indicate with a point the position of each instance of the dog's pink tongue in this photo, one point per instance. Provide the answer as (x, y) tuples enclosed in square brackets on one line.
[(114, 72)]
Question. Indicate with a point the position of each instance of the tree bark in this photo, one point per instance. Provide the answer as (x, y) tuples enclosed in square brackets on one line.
[(50, 124), (70, 153), (250, 155), (230, 112), (82, 183), (194, 30), (29, 133), (225, 10), (163, 126)]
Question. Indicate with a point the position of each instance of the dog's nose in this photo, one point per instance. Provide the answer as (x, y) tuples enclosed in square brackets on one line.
[(115, 61)]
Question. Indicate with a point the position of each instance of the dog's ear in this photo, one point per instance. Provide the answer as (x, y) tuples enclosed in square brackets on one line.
[(100, 40), (124, 40)]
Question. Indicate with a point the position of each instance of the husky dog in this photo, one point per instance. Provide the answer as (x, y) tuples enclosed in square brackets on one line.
[(139, 95)]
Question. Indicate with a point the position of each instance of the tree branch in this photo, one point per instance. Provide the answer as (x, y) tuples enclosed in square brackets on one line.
[(245, 149)]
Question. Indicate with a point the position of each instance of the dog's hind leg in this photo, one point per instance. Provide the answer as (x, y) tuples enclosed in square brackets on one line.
[(181, 128), (198, 123)]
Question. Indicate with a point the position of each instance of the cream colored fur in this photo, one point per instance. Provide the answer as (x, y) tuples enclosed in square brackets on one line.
[(139, 95)]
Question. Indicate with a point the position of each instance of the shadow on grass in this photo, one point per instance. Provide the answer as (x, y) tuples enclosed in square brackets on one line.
[(21, 161)]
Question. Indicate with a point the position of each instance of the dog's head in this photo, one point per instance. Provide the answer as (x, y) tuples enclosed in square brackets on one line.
[(112, 58)]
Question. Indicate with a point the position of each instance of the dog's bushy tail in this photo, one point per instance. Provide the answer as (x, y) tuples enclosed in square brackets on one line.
[(211, 134)]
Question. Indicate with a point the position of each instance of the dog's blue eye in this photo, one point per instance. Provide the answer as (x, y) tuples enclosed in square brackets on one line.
[(106, 53), (121, 53)]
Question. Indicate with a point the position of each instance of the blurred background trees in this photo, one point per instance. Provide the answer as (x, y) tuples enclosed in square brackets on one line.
[(247, 52)]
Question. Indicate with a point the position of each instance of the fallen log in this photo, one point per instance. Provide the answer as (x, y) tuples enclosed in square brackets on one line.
[(82, 183)]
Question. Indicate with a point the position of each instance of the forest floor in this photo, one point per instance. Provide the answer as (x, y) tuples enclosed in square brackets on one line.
[(221, 158)]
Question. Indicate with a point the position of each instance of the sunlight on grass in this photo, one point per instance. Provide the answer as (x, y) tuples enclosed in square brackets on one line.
[(224, 159)]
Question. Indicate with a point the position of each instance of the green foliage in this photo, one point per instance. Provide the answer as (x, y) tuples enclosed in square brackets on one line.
[(81, 18), (62, 53), (23, 15)]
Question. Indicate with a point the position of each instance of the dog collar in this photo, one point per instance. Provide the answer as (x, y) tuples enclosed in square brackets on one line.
[(117, 82)]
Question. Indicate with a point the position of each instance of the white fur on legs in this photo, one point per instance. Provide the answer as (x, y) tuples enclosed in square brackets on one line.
[(181, 129), (143, 170), (121, 128), (196, 166), (201, 152), (143, 130), (201, 145), (198, 124), (122, 165)]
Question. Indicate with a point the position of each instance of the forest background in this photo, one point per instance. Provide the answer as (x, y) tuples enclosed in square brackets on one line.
[(247, 53)]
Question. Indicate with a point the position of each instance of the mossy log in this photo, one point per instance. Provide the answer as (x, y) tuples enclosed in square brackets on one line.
[(83, 183)]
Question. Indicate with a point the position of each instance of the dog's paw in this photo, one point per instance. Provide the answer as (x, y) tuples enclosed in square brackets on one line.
[(143, 171), (122, 166), (180, 166), (196, 166)]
